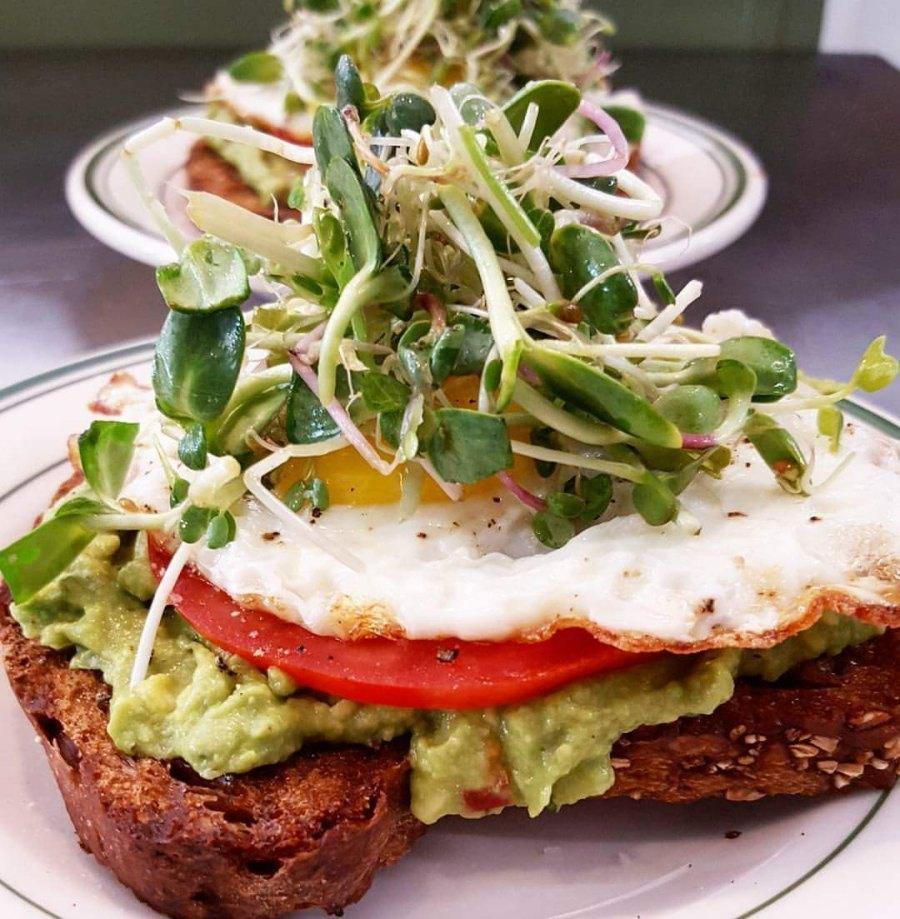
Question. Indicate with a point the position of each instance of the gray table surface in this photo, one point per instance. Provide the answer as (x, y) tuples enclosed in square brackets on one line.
[(821, 265)]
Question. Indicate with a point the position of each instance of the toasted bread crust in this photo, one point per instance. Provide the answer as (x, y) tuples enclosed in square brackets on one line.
[(207, 171), (827, 726), (312, 831)]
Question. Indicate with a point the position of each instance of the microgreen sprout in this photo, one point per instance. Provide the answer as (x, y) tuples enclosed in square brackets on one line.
[(423, 215), (464, 285), (490, 43)]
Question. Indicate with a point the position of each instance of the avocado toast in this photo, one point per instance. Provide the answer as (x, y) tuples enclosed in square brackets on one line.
[(398, 46), (313, 830), (465, 518)]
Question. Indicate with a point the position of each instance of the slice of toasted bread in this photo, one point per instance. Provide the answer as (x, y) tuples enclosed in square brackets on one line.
[(312, 831)]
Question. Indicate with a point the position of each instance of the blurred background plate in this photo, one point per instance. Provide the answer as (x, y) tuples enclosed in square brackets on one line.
[(713, 184)]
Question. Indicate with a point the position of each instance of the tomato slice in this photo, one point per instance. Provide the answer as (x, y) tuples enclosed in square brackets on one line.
[(427, 674)]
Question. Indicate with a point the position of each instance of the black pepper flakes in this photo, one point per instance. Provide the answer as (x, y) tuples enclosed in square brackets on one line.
[(422, 535), (732, 834), (814, 519)]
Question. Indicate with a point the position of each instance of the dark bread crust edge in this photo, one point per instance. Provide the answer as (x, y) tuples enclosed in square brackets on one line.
[(313, 831), (828, 725), (310, 832)]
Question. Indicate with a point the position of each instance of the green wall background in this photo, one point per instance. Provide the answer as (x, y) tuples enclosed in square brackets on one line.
[(766, 25)]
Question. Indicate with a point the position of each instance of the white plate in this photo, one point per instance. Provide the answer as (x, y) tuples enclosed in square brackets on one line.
[(712, 183), (828, 858)]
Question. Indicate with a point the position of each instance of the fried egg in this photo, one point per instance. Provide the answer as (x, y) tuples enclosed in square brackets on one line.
[(764, 565)]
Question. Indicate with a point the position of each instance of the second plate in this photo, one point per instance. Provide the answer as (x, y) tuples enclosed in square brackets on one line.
[(713, 184)]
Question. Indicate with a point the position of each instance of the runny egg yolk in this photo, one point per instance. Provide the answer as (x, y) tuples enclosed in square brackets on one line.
[(352, 481)]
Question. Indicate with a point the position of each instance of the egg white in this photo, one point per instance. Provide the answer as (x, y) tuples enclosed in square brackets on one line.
[(474, 570), (262, 102)]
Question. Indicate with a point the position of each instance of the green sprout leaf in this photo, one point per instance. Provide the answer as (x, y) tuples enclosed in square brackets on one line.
[(565, 504), (210, 275), (197, 362), (193, 523), (331, 140), (475, 346), (192, 448), (408, 112), (349, 86), (559, 26), (468, 446), (82, 506), (105, 450), (318, 494), (178, 492), (631, 121), (579, 255), (413, 351), (256, 67), (495, 14), (382, 392), (830, 422), (779, 450), (36, 559), (253, 406), (600, 395), (347, 192), (556, 102), (772, 362), (445, 352), (296, 496), (691, 408), (314, 492), (736, 381), (596, 492), (876, 368), (654, 501), (306, 421), (221, 530), (551, 529), (297, 195), (333, 246)]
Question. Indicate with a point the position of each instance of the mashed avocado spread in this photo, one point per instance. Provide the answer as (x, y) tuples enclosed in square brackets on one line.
[(267, 174), (221, 715)]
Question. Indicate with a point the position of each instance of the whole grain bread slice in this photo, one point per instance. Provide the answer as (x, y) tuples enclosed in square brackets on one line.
[(313, 831)]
